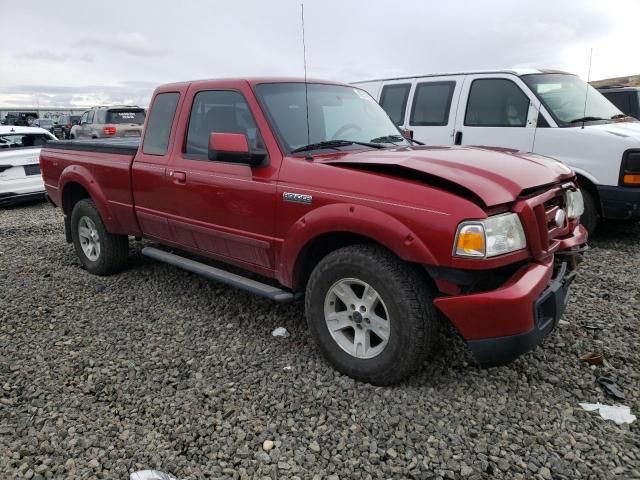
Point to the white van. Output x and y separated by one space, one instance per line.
547 112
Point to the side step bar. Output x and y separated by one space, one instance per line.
258 288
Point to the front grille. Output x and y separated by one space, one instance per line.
538 214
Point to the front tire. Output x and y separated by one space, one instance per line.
371 314
99 251
590 218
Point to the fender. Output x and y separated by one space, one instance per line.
82 176
343 217
587 175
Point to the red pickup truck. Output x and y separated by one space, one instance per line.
311 186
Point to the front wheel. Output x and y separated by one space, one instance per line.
371 314
590 217
99 251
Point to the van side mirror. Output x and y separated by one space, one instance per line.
234 148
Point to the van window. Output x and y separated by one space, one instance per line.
496 102
431 103
222 111
394 101
622 100
156 137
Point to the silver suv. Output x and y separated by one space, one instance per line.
108 122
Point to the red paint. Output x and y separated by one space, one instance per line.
229 142
236 213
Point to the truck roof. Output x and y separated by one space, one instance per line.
512 71
253 81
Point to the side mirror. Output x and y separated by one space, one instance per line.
234 148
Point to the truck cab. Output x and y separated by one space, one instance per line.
551 113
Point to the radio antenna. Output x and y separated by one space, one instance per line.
586 93
306 87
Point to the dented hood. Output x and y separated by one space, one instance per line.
496 176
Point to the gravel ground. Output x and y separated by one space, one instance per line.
157 368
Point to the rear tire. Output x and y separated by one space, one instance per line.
382 294
99 251
590 218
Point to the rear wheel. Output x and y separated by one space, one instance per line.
101 252
371 314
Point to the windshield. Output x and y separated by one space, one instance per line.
335 113
564 96
29 140
126 116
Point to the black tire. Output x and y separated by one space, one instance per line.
591 217
114 249
405 293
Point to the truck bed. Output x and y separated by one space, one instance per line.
122 146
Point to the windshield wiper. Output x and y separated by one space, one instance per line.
618 116
586 119
394 138
334 144
388 139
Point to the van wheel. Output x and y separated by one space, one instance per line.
371 314
101 252
590 217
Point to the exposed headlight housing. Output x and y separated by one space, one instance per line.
575 204
490 237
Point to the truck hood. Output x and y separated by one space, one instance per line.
628 130
496 176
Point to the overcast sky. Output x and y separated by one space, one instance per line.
87 53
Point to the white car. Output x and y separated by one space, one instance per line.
551 113
20 177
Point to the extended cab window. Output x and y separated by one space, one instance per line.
156 137
90 117
394 101
431 103
222 111
496 102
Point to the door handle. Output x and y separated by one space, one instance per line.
178 177
458 138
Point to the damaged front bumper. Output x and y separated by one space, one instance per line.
502 324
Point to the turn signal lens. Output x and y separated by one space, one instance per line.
471 242
631 179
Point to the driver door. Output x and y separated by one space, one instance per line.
223 209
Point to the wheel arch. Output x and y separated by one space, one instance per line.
335 226
77 183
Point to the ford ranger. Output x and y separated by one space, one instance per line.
309 186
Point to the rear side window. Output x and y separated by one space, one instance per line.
156 137
222 111
126 116
432 103
394 101
496 102
90 117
